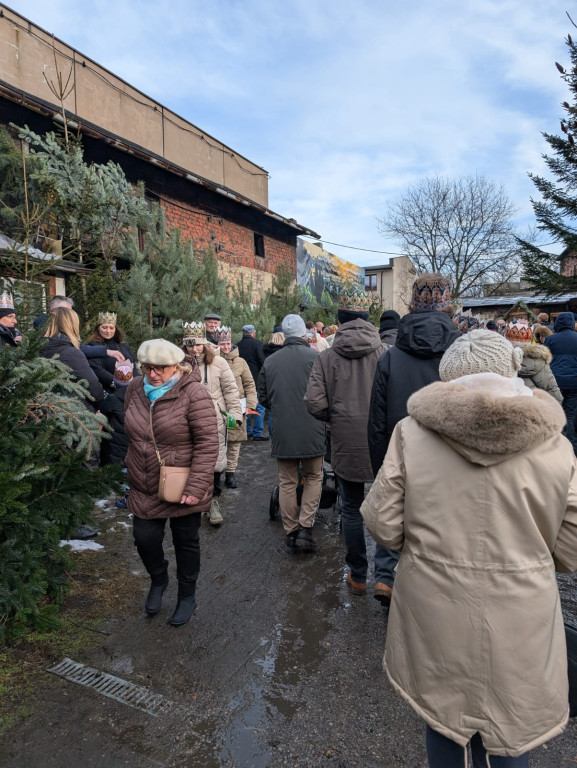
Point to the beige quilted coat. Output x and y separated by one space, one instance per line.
480 494
186 435
221 385
246 388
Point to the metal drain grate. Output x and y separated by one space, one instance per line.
113 687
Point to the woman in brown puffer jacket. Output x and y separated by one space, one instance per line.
168 411
248 399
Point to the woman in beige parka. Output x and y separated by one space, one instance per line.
217 377
475 639
248 398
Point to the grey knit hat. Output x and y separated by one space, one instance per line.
293 325
480 352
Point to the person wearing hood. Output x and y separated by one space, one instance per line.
248 400
563 346
535 368
475 638
338 393
389 327
413 362
298 440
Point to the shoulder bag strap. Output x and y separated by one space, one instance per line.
160 461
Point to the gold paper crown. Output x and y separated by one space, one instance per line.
354 301
224 333
107 317
519 332
6 301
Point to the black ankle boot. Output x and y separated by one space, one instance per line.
153 602
185 607
230 480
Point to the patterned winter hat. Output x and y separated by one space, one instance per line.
193 333
480 351
107 317
354 301
224 333
430 291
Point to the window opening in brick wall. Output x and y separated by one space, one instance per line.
370 282
258 245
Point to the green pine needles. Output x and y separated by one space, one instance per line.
47 488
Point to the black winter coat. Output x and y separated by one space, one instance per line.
269 349
7 336
251 350
563 346
103 366
113 450
61 347
411 364
281 387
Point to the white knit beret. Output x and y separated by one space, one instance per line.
159 352
480 352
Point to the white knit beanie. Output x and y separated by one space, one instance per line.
293 325
480 352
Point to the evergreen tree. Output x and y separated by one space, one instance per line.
556 212
46 486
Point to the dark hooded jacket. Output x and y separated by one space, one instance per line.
281 386
61 347
104 365
563 346
7 336
339 393
405 368
113 449
389 327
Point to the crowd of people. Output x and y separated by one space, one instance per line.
465 432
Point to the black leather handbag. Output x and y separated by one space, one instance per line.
571 638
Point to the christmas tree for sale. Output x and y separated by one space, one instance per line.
556 211
47 487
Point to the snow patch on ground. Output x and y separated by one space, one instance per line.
123 524
77 545
102 503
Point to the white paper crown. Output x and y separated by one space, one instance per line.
6 301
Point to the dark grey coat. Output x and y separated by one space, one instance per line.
339 392
281 387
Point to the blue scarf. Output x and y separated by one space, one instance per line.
153 393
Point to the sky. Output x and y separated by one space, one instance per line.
346 103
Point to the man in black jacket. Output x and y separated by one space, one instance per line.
251 349
298 438
412 363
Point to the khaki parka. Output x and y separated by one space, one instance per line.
480 494
246 388
219 380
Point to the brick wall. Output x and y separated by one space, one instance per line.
568 266
232 243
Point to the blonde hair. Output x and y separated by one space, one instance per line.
331 329
277 338
64 320
540 333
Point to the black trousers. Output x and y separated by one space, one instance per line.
148 538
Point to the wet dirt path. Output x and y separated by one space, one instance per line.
280 666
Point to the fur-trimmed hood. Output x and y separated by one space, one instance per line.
484 428
536 352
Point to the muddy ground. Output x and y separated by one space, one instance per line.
280 665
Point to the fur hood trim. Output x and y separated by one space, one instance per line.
484 428
536 352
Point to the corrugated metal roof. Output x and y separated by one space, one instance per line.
501 301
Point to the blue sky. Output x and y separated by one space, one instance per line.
345 103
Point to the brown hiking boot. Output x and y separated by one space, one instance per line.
383 593
356 587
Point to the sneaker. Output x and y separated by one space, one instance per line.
215 517
290 540
260 438
357 587
84 532
304 540
383 593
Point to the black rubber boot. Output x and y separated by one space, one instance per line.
153 602
230 480
304 540
185 607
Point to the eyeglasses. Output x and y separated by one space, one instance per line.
156 368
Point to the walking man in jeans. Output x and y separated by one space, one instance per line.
339 393
563 346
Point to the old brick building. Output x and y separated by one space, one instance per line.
218 198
